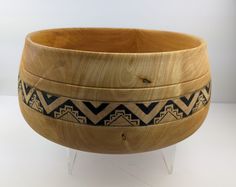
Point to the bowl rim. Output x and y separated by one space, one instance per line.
87 52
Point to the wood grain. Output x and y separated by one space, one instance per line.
110 140
116 70
85 88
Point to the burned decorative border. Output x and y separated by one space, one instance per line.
113 113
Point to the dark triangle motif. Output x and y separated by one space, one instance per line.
68 110
186 100
208 87
49 98
93 109
148 109
27 88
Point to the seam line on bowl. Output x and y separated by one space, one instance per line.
115 88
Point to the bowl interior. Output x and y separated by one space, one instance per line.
114 40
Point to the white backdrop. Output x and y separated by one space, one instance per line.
213 20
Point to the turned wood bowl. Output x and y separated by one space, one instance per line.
110 90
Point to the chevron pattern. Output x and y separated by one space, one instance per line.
113 113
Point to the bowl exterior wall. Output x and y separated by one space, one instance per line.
113 103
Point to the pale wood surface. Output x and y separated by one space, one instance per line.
116 70
25 156
117 94
114 66
114 140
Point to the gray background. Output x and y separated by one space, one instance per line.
213 20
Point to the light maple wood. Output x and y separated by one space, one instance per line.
115 66
113 140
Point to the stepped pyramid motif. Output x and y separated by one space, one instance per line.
113 113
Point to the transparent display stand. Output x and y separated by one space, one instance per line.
167 154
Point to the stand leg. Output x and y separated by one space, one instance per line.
168 156
72 154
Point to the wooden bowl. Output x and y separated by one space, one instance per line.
113 90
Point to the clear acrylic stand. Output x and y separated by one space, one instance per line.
72 154
168 156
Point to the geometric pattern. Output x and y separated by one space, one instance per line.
100 113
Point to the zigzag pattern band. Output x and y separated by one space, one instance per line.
113 113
